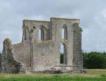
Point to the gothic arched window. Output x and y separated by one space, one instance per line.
41 34
64 32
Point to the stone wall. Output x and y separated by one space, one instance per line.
21 53
77 51
32 27
45 56
0 63
9 64
34 55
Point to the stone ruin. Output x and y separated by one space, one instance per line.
39 51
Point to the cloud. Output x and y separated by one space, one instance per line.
91 13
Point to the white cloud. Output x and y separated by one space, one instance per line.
91 12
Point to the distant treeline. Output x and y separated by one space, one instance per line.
96 60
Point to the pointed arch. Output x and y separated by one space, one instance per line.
40 34
64 32
63 54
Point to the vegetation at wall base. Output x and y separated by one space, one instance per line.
91 75
54 79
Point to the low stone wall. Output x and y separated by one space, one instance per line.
8 64
45 56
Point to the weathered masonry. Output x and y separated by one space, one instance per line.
41 46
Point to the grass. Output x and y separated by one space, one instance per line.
91 75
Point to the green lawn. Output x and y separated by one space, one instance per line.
91 75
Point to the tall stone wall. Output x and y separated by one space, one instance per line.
77 51
73 41
34 55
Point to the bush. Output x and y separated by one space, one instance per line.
103 75
94 60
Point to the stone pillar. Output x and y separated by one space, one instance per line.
77 49
0 62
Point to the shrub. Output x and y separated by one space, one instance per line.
103 75
94 60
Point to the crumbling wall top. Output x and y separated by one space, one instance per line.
35 21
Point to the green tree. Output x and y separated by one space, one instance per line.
0 54
94 60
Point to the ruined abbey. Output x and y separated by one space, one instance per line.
40 49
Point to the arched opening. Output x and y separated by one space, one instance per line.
41 34
63 54
64 32
25 33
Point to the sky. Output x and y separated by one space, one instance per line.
92 15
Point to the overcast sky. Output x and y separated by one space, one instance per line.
92 14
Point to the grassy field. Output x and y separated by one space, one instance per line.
91 75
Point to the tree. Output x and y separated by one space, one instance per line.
0 54
94 60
